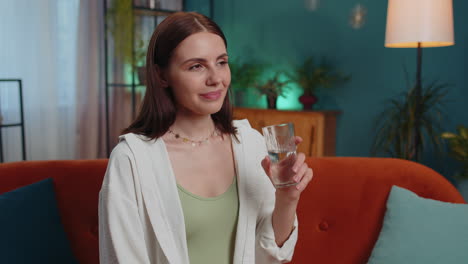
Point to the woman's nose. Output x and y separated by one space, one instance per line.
215 77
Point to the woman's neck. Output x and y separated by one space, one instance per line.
192 126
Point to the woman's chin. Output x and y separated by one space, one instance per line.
213 110
210 108
205 109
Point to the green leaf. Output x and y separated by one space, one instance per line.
311 76
448 135
396 124
458 145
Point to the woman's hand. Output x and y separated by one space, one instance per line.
287 198
303 175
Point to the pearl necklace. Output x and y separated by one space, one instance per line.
194 143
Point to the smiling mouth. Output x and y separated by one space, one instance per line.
212 95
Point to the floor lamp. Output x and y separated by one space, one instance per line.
419 24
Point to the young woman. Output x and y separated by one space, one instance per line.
186 183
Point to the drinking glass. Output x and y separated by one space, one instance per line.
281 148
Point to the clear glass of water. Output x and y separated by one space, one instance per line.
281 148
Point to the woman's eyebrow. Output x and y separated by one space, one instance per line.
204 60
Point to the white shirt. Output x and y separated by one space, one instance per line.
140 214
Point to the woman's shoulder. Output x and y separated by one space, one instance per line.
249 136
124 146
132 136
135 142
243 126
121 150
135 147
241 123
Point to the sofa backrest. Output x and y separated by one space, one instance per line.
77 184
340 213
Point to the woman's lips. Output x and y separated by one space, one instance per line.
212 95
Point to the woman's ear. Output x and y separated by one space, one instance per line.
162 76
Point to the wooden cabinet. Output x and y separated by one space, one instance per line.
317 128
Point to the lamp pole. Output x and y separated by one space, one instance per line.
412 24
417 110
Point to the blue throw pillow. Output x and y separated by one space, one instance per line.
418 230
30 227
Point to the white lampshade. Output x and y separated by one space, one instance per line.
411 21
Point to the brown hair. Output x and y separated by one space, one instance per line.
158 111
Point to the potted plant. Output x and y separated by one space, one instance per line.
458 145
243 76
121 25
396 124
273 88
311 76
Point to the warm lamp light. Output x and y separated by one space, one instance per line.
409 22
419 24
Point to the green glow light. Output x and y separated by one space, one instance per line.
289 102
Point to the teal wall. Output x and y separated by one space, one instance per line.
284 32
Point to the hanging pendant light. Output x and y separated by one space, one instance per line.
312 5
358 16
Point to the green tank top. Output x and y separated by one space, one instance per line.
210 225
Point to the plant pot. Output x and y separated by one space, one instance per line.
271 101
308 101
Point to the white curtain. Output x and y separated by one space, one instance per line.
90 138
38 41
56 48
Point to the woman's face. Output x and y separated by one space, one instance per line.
199 74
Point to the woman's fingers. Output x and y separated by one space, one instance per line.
266 165
297 140
305 180
299 161
301 172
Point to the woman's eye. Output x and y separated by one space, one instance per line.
195 67
223 62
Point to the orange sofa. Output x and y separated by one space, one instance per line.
340 213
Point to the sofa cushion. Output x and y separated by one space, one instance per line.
30 226
420 230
